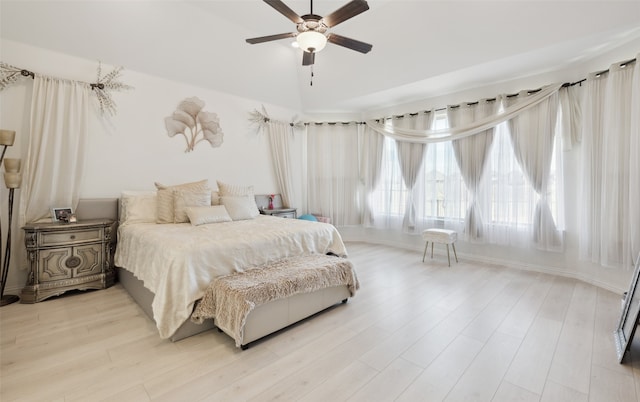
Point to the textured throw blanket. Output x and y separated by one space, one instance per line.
230 299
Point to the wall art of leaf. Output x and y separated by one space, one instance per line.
194 124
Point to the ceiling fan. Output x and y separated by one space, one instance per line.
312 30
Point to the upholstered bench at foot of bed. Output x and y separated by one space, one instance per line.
252 304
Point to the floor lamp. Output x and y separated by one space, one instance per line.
12 180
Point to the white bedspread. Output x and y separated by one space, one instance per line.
177 262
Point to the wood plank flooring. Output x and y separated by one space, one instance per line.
415 332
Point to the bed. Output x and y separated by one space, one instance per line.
167 268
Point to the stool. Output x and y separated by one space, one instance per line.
442 236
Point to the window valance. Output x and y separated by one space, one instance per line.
525 101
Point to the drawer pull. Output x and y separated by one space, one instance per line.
72 237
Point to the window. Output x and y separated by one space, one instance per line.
506 199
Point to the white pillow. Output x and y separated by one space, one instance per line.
166 200
188 198
210 214
240 208
195 185
215 198
138 207
234 190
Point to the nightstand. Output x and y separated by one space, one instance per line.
262 202
281 212
68 256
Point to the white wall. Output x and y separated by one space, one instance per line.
132 150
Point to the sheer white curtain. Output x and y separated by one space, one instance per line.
440 191
56 153
533 137
615 246
634 164
333 172
590 205
515 107
372 145
471 155
410 157
610 193
279 134
388 200
570 101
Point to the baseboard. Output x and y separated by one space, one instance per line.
496 261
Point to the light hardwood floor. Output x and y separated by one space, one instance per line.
415 332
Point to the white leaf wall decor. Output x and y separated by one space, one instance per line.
194 124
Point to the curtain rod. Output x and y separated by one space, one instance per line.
9 75
27 73
598 74
566 84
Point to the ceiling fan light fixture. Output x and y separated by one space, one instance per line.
311 40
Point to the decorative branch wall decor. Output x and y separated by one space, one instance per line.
260 119
200 124
10 74
103 87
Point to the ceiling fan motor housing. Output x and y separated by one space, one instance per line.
312 22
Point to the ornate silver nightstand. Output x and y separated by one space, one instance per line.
68 256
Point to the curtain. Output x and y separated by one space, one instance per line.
333 172
471 155
425 136
370 166
610 185
570 102
56 151
616 157
410 157
590 207
279 135
634 164
389 197
532 135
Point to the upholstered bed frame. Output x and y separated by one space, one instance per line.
96 208
262 321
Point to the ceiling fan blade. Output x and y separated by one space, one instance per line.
308 58
269 38
285 10
349 43
345 12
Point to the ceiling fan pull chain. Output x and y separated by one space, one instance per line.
311 82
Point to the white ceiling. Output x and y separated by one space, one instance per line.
421 49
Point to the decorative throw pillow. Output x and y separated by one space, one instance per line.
165 211
194 185
138 207
240 208
215 198
211 214
234 190
188 198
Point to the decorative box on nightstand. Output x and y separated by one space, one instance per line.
68 256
